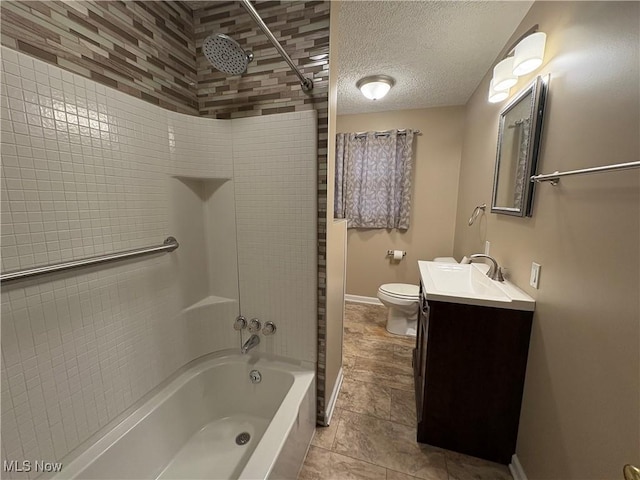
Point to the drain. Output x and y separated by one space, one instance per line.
243 438
255 376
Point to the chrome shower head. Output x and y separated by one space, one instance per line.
226 54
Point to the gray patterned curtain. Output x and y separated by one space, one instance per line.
373 179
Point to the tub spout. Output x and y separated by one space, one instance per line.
253 341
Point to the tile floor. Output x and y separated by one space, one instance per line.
373 430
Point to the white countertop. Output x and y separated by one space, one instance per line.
468 284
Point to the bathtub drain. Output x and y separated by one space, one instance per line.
243 438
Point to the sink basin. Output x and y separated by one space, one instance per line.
469 284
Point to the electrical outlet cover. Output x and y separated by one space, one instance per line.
534 279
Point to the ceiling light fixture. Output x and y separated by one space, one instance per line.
522 58
376 86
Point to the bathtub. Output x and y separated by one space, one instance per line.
188 427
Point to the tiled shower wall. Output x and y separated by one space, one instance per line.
87 170
145 49
149 50
274 174
269 86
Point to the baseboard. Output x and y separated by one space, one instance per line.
334 397
360 299
517 472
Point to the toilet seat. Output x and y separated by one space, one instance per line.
401 291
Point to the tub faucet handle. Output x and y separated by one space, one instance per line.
240 323
254 325
269 328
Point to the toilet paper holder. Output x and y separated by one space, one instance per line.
390 253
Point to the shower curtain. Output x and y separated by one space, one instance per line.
373 179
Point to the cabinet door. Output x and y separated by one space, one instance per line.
423 329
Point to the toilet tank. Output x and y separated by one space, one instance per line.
445 260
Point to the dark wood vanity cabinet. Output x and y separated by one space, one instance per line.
469 368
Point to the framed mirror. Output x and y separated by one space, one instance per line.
517 154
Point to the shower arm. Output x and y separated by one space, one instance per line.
307 83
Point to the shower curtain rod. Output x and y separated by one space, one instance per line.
386 133
307 83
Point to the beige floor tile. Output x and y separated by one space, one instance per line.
369 321
348 362
362 313
465 467
383 373
366 347
388 444
322 464
353 329
403 353
325 436
366 398
393 475
403 407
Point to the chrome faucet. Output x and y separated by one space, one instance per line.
253 341
495 272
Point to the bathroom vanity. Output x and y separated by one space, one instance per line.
470 360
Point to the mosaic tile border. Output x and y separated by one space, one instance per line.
145 49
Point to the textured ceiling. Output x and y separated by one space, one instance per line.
437 51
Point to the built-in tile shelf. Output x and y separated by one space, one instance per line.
208 302
200 178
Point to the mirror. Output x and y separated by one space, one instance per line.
518 144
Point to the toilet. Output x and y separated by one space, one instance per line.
403 300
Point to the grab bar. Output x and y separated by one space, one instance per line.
169 245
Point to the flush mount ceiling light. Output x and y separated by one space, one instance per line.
522 58
375 86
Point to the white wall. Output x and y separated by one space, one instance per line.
89 170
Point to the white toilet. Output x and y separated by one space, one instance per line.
403 301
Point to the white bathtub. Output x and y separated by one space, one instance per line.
187 430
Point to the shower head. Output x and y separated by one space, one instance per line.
226 54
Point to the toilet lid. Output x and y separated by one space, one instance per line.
400 290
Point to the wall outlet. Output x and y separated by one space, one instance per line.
487 247
534 279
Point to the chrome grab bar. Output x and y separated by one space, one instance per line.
169 245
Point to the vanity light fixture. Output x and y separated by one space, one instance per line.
522 58
529 53
503 77
495 96
376 86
